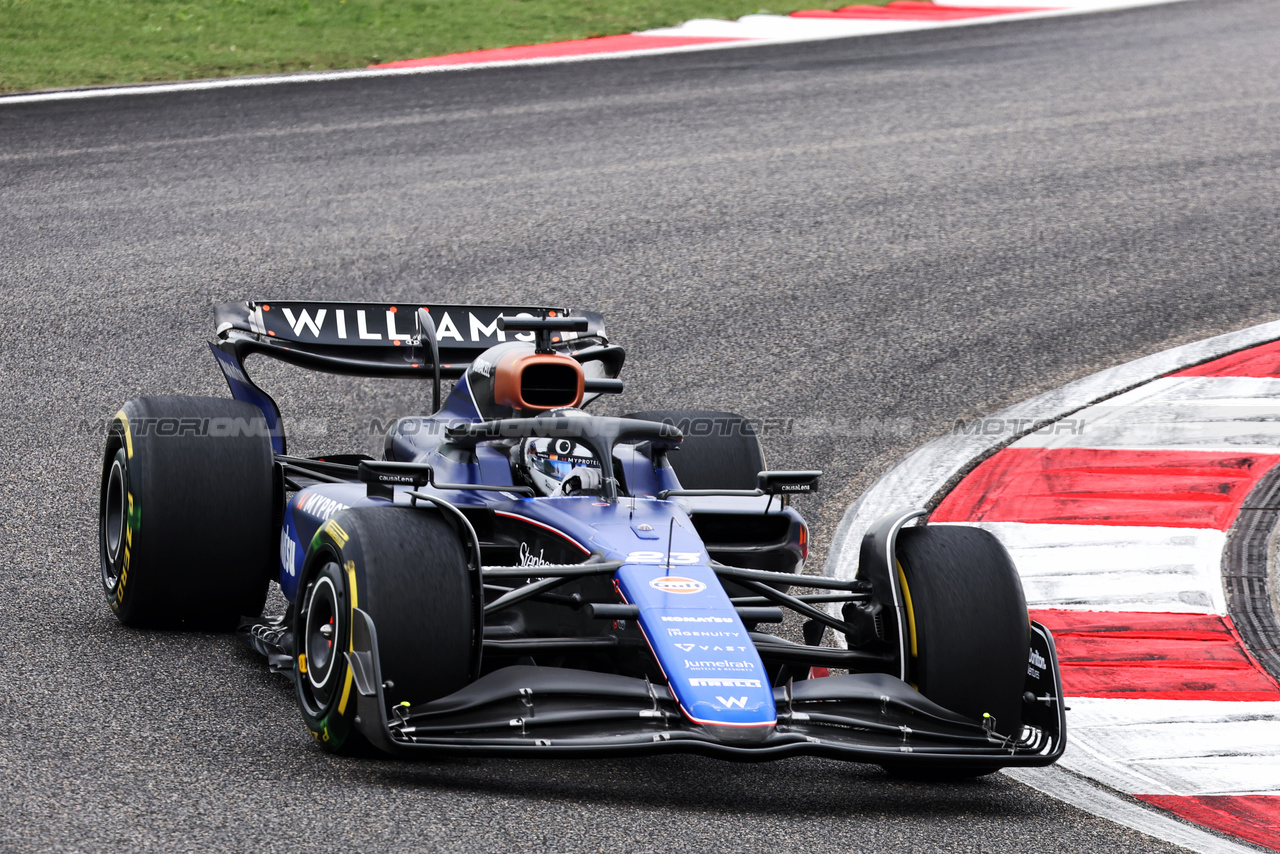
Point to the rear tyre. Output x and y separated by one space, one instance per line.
185 524
720 450
968 630
407 569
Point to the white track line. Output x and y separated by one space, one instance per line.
329 76
750 30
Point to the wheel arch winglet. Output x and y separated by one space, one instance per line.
878 563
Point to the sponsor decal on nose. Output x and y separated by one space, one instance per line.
677 584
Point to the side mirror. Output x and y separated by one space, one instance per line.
788 482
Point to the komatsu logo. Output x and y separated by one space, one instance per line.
724 683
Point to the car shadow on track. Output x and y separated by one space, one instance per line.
698 784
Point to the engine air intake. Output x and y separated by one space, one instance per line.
538 382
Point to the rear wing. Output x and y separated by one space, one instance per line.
376 339
367 340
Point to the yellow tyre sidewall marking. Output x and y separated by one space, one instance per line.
911 613
128 434
128 533
351 588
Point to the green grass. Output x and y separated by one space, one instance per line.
52 43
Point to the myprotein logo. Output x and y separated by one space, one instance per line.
320 506
677 584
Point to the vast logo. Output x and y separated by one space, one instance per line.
677 584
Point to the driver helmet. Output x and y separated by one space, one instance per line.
560 466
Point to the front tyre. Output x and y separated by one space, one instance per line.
407 569
185 525
967 628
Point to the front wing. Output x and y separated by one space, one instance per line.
866 717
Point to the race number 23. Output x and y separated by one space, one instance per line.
677 558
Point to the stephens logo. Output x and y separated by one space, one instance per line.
677 584
528 558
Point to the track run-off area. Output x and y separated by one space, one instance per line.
858 242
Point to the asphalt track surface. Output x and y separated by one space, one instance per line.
870 237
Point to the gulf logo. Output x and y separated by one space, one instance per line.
677 584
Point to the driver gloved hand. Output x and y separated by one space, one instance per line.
581 479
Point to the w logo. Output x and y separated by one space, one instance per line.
733 702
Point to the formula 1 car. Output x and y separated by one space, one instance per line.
515 576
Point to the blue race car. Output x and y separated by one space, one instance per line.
516 576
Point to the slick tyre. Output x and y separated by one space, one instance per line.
407 569
186 530
720 450
967 629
